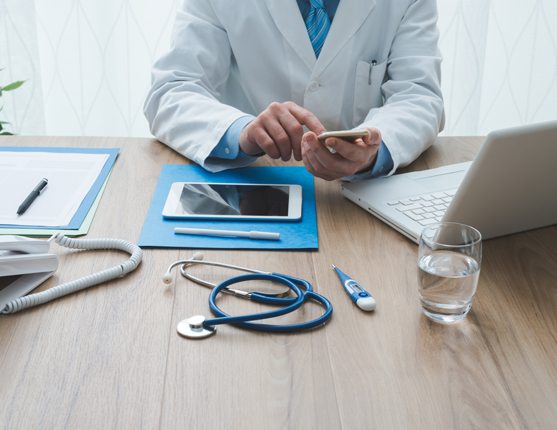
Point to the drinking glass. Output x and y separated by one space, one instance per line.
449 261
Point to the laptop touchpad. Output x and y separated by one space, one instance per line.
442 181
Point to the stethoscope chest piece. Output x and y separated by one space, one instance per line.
192 328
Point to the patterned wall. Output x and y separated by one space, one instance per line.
88 62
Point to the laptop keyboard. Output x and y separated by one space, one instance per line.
425 209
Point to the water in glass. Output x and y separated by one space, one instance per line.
448 283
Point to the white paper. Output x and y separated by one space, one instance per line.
70 177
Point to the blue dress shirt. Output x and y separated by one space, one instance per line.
229 145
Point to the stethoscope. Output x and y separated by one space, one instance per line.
199 327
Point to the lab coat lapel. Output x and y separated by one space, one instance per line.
290 23
348 18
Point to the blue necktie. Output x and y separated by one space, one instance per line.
318 25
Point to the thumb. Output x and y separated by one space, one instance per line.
373 138
310 136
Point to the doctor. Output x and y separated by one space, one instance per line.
242 77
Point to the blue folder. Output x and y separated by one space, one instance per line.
158 232
83 209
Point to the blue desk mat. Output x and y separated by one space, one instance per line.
158 232
87 202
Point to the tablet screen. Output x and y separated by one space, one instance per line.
236 200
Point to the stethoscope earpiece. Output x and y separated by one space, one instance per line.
198 256
167 278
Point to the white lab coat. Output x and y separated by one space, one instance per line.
230 58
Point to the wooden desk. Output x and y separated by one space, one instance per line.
110 357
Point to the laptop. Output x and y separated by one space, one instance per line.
511 186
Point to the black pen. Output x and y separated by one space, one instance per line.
31 197
373 63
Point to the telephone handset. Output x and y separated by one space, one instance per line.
24 264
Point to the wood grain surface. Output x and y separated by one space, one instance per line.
110 357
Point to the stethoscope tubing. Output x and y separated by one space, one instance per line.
289 304
292 305
228 319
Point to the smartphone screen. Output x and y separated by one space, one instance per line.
244 201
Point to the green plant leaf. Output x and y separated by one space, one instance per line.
13 86
5 122
6 133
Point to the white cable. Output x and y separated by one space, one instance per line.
88 281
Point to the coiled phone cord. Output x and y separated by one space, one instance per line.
88 281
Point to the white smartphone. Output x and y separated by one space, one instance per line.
256 202
348 135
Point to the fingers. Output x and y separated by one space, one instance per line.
337 162
285 130
280 139
305 117
295 132
349 151
278 131
265 134
292 117
254 138
374 137
312 164
348 159
319 161
362 151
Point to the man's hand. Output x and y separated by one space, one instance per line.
348 158
278 131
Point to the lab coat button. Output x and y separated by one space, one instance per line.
314 85
227 150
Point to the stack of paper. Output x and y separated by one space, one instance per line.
76 179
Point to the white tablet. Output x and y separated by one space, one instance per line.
256 202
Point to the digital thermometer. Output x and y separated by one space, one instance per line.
361 297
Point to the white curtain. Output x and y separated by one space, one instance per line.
500 63
19 57
87 63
